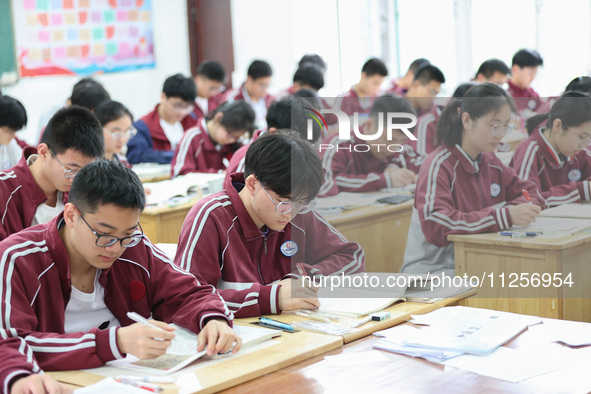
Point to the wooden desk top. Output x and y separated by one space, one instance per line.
496 239
400 313
414 375
159 210
236 369
369 212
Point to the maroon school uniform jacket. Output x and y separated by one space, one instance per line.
425 131
212 103
396 90
457 195
525 99
198 153
237 160
221 245
350 103
20 195
35 287
561 180
240 94
358 171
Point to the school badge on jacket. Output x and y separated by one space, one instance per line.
289 248
574 175
495 189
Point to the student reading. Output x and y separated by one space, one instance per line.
247 239
349 167
463 188
32 192
117 122
67 285
556 158
13 117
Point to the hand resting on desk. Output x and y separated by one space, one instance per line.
293 296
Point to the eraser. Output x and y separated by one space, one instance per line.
380 316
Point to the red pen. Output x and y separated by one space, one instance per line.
526 195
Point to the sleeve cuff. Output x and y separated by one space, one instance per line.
107 347
503 218
269 299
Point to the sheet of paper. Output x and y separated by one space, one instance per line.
505 364
353 359
109 386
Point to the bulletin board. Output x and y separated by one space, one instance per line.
82 37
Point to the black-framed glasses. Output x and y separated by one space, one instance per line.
104 241
285 207
68 173
584 141
498 128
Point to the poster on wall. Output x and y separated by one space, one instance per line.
83 37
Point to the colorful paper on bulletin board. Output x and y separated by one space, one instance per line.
83 37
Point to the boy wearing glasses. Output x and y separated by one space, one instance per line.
68 285
160 131
361 166
247 239
32 192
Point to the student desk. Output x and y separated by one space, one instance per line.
381 232
414 375
483 255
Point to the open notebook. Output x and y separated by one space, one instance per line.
183 350
575 211
351 302
182 186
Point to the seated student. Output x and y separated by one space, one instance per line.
360 97
400 86
463 188
117 122
160 131
350 169
87 93
493 71
279 116
425 88
209 146
555 158
247 238
254 91
13 117
524 67
32 192
312 58
427 140
308 76
71 282
209 80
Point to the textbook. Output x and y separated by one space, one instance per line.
183 350
196 184
575 211
352 302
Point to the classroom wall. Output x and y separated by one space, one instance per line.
138 90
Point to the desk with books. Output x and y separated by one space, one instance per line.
510 263
399 373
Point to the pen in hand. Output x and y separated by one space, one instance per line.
527 197
140 319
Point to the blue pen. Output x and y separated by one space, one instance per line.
527 234
275 324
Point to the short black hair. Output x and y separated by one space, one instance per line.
238 115
88 93
418 64
74 128
390 103
311 75
12 113
491 66
288 113
429 73
375 66
178 85
259 69
212 70
462 89
312 58
527 58
285 163
304 101
579 84
106 182
110 110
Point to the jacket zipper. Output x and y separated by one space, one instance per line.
259 260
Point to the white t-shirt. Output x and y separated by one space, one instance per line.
10 154
174 132
44 212
203 103
260 110
87 311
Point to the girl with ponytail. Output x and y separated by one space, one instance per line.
556 158
463 188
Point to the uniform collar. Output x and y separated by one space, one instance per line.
469 165
552 156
